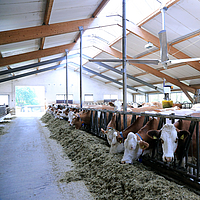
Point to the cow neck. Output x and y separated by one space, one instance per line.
134 127
85 117
151 125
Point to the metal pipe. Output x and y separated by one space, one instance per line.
124 62
163 17
66 51
81 34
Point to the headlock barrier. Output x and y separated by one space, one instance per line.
186 170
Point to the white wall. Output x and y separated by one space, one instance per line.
55 83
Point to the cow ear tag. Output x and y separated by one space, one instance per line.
154 137
142 147
182 137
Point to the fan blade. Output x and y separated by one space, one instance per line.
143 61
163 45
105 60
183 60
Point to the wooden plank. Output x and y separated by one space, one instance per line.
49 5
35 54
100 7
53 29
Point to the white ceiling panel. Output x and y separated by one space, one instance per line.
16 14
58 40
181 72
72 10
19 47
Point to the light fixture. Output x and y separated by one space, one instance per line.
148 45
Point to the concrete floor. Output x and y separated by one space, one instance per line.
31 164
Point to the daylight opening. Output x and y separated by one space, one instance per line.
29 99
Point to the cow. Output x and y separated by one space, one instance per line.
136 143
170 138
185 125
84 116
81 118
116 138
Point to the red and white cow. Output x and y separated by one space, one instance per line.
170 138
116 138
135 144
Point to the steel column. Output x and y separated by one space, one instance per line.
163 17
66 51
81 34
124 62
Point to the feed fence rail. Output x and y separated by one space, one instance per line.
186 170
2 110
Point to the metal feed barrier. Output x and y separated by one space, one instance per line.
187 173
2 111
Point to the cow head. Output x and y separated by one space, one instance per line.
71 116
170 138
115 146
133 148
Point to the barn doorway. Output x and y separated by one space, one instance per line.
29 99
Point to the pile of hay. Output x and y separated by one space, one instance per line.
102 172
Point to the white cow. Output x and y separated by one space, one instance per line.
71 116
133 148
115 146
170 137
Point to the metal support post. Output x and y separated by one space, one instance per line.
146 98
66 100
124 63
81 33
163 17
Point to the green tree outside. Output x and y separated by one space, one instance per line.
25 96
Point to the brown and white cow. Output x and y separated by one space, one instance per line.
171 138
116 138
185 125
135 144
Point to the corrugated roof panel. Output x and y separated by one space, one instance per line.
19 47
29 62
181 72
190 47
72 10
58 40
176 24
52 57
16 14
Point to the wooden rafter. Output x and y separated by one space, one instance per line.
35 54
100 7
36 32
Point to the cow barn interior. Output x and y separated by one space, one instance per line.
113 62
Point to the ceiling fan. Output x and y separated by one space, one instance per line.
164 60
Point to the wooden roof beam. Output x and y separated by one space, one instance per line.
35 54
100 8
36 32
